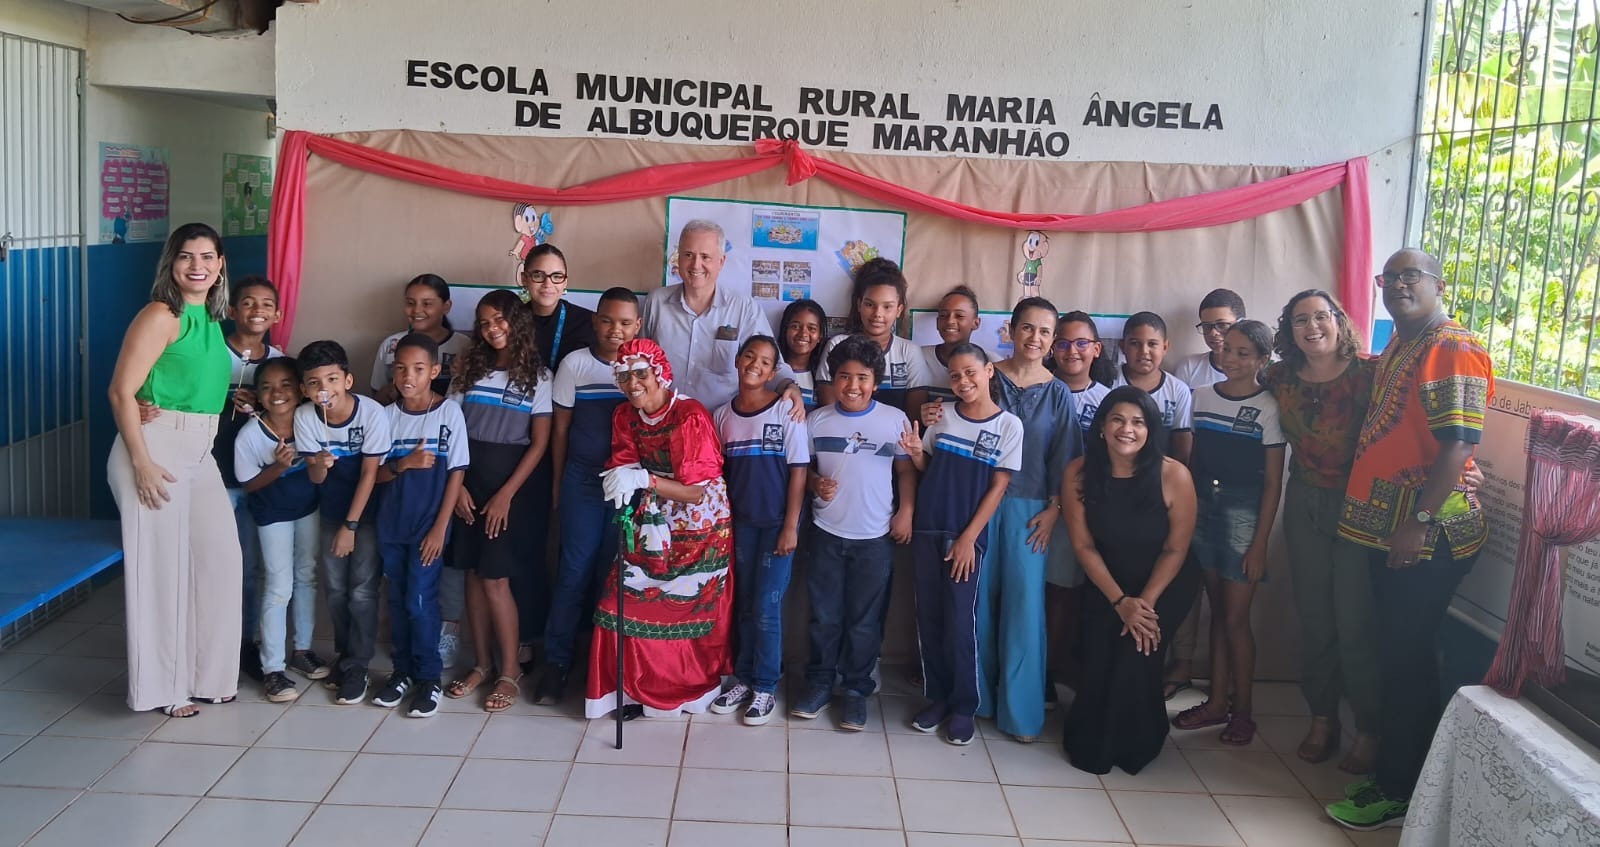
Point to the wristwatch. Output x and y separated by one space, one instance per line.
1424 517
353 526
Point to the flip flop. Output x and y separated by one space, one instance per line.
214 701
1240 732
171 711
1194 718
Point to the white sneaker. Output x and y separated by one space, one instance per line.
449 646
729 701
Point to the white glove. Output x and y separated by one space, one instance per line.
619 484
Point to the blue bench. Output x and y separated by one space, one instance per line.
47 564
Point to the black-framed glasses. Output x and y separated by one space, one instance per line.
1062 345
1403 279
556 277
1204 327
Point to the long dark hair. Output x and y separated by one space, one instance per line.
872 273
441 289
1097 456
1349 343
523 370
1102 368
814 358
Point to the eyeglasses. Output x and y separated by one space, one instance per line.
1064 344
557 277
1405 278
1303 321
1214 326
633 375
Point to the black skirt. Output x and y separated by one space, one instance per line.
514 549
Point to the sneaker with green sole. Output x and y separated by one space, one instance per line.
1377 812
1356 790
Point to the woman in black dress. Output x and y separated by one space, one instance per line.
1130 513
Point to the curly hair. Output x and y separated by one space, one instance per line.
524 367
1349 341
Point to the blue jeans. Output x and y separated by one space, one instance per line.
250 547
352 583
760 579
413 610
848 580
588 543
289 562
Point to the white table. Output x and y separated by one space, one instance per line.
1502 773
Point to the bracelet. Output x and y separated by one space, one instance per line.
1119 600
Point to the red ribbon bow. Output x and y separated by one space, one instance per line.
800 164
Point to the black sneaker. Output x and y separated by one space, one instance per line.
278 687
393 691
308 665
334 677
425 703
855 712
552 685
352 686
250 660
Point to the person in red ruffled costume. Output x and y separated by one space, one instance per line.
679 600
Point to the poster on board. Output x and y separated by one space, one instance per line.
134 182
246 193
779 253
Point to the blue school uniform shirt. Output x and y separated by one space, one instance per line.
291 496
242 373
1051 437
758 449
1231 437
498 412
904 368
588 387
963 455
858 450
409 504
364 434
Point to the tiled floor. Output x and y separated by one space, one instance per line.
76 767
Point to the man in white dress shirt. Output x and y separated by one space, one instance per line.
699 324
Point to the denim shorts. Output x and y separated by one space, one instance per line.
1225 524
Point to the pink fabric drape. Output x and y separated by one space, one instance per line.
286 227
1561 507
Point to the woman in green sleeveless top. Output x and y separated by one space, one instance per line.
181 563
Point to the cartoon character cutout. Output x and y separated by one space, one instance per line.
532 229
1034 248
853 254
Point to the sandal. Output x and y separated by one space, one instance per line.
172 711
465 685
1321 741
1194 717
500 700
214 701
1171 687
1241 731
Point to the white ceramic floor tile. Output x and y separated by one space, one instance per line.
1046 842
701 833
1210 738
820 836
335 826
73 675
954 807
27 712
644 742
104 642
1324 781
931 757
843 801
107 716
12 663
1282 733
506 785
376 779
1278 698
126 820
236 724
56 762
577 831
622 790
945 839
1378 838
9 743
239 823
737 747
732 796
1269 821
267 773
1169 772
898 712
839 753
24 811
156 768
459 827
1239 772
1186 819
1076 813
527 737
53 637
324 729
440 735
1036 764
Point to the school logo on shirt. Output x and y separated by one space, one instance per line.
899 374
987 446
1169 413
512 398
772 438
444 438
1246 419
356 436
